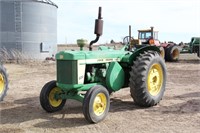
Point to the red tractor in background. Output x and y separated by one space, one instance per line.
169 51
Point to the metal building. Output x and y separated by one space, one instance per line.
30 26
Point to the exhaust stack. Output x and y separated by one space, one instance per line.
98 29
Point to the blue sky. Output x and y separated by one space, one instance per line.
176 20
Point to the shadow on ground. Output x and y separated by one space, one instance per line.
191 61
118 105
29 109
191 105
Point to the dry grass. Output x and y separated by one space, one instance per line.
62 47
15 56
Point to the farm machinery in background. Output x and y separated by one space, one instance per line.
90 76
192 47
169 51
3 82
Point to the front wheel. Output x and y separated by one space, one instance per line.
148 79
48 99
96 104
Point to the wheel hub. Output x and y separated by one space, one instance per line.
162 54
2 83
155 79
53 101
175 54
99 104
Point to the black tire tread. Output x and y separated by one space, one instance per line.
44 98
87 105
168 53
138 76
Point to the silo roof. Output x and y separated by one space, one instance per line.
47 2
42 1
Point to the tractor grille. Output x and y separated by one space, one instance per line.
67 72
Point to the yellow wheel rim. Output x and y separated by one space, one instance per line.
99 105
2 83
155 79
175 54
54 102
162 53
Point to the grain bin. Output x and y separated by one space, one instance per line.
29 26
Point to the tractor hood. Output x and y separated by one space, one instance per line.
70 55
106 55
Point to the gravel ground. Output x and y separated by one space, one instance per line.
179 110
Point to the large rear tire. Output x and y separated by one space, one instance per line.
96 104
148 79
172 53
47 97
3 82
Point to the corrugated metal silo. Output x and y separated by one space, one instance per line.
29 26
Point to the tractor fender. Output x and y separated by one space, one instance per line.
141 50
167 45
114 77
131 56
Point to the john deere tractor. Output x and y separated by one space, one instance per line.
192 47
91 76
169 51
3 82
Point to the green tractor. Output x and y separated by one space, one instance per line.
91 76
3 82
192 47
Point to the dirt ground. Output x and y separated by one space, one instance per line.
179 110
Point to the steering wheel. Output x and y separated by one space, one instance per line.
127 40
